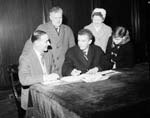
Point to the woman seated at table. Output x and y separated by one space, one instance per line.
84 57
120 49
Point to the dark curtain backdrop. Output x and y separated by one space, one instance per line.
18 19
140 28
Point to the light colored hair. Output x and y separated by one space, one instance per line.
56 9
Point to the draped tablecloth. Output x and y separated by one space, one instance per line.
87 100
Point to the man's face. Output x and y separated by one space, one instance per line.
84 42
43 43
56 18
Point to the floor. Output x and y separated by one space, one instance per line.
7 105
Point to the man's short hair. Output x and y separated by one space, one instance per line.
37 35
86 32
56 9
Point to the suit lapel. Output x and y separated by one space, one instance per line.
48 60
35 62
61 35
81 57
55 38
61 31
90 55
53 34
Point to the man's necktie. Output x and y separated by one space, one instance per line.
85 55
57 30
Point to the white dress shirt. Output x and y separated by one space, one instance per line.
43 65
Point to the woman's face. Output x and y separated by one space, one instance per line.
97 20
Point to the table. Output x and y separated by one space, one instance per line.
87 100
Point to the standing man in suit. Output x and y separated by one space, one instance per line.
36 66
61 37
84 57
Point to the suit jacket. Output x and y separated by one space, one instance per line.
60 43
30 72
74 58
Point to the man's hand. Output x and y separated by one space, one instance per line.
93 70
75 72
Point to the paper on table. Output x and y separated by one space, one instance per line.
94 77
52 82
72 79
109 72
99 76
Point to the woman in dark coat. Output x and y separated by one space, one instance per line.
120 49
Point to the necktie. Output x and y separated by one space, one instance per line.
57 30
85 55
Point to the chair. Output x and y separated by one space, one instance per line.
16 87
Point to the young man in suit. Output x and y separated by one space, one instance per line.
36 66
84 57
61 37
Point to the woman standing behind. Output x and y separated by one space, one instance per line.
101 31
120 49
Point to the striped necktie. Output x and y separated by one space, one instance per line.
85 55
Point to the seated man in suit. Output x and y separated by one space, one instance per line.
36 66
84 57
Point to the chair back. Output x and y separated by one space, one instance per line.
16 87
14 80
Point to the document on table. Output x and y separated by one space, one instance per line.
99 76
52 82
72 79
